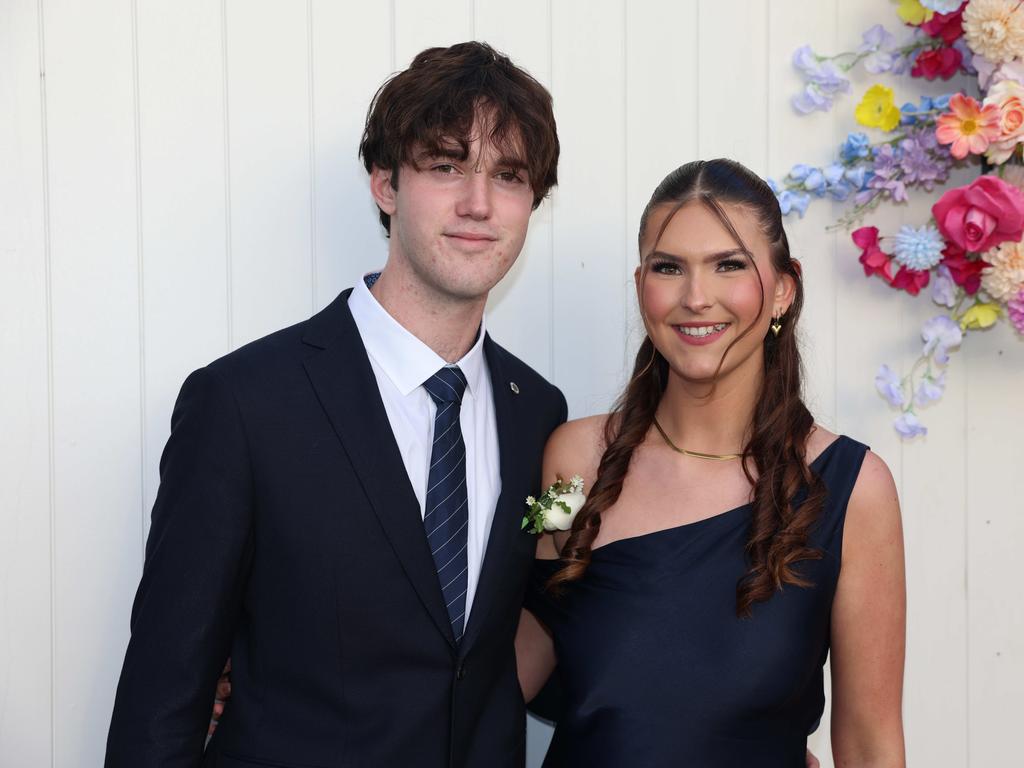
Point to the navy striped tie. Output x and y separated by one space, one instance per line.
446 513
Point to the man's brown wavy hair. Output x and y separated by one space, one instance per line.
787 496
435 104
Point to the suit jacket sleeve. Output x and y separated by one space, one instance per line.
187 603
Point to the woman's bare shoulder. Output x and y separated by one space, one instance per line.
575 448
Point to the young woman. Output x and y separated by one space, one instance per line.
728 543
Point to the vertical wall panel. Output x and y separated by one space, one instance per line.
96 361
995 532
733 92
520 307
794 138
791 138
661 133
184 216
269 158
351 58
25 584
420 25
589 290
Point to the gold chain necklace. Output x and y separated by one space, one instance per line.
695 454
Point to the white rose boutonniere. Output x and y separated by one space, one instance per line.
556 508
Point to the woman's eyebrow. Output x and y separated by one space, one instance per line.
710 257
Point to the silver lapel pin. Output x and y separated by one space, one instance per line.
514 387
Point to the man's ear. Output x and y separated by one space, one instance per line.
381 189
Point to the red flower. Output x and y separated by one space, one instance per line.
948 26
965 272
910 280
940 62
874 260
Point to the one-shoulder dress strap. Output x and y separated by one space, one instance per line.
838 466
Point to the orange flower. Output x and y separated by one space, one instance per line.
968 126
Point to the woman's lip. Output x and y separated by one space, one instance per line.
698 341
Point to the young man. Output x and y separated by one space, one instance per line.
340 502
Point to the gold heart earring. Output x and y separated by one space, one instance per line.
776 325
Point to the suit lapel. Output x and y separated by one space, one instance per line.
508 511
347 389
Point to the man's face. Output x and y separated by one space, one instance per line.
457 225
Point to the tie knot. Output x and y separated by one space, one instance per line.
447 385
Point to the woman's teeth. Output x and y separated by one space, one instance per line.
701 330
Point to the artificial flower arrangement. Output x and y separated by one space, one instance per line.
557 506
970 253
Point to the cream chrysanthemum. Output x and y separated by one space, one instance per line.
1004 279
995 28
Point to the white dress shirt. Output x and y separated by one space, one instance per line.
401 363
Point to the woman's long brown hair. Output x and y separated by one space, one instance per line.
787 496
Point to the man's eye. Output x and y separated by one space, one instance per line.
446 168
511 176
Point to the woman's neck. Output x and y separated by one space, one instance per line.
711 418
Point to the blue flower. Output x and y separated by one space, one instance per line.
918 249
793 201
858 177
800 171
942 6
855 147
941 102
908 426
815 183
889 386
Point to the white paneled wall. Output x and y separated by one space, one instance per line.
178 179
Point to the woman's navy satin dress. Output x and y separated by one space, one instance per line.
657 670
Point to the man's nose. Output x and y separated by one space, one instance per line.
475 200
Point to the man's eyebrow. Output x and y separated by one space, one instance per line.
511 161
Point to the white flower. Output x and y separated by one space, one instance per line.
995 29
557 518
1005 277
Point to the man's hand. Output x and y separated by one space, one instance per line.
224 693
812 761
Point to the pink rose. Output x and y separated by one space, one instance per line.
982 215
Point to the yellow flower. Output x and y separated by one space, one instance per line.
912 12
878 109
979 316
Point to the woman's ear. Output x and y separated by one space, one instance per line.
785 291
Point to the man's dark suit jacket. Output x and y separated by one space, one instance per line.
287 536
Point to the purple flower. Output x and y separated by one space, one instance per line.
908 426
940 334
824 81
889 386
967 60
944 287
930 389
881 48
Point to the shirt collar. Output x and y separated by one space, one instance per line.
406 360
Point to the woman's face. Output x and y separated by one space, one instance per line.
701 291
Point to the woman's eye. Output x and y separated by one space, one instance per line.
731 265
665 268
